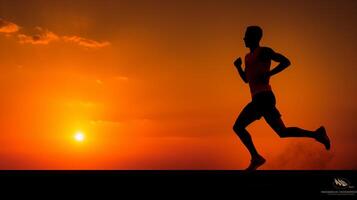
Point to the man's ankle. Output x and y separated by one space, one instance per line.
256 156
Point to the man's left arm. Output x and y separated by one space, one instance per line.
277 57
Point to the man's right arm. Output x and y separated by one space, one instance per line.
238 64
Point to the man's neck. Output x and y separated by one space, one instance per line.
253 48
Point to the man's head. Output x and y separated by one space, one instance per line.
252 36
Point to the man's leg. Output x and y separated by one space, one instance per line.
246 117
279 127
277 124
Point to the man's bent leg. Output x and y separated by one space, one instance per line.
246 117
278 126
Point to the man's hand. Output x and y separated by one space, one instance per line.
238 62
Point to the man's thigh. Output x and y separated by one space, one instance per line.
248 115
273 118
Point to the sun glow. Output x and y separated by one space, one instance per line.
79 136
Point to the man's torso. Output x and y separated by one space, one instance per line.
255 68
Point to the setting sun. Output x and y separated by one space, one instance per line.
79 136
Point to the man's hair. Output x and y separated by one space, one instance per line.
255 31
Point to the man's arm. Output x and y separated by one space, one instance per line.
282 60
238 64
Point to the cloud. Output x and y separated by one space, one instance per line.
106 123
82 104
122 78
99 82
88 43
42 36
8 27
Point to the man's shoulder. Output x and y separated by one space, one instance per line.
266 53
266 49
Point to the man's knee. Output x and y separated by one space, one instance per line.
238 127
282 132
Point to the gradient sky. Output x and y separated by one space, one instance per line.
151 83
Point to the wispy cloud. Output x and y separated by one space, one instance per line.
42 36
106 123
122 78
99 82
8 27
88 43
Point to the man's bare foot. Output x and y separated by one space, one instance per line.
255 163
322 137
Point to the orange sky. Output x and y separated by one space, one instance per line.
152 86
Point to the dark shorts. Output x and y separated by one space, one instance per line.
262 105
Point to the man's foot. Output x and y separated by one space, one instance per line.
322 137
255 163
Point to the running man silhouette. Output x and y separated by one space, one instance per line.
257 74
